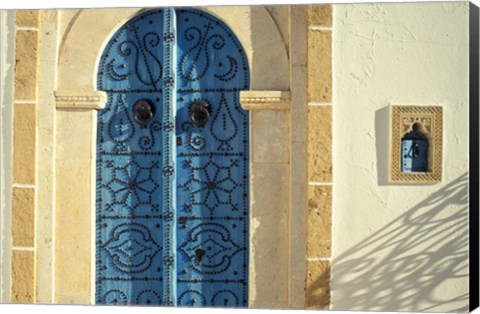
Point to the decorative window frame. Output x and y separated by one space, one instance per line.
402 118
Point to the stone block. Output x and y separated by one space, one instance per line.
320 143
319 15
26 63
319 66
24 124
319 221
318 285
27 18
23 216
23 280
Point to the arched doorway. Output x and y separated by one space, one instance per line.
172 163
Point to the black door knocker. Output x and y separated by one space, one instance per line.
199 112
143 112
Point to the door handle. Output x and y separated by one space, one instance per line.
199 112
143 112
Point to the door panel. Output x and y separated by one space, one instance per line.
128 203
212 198
178 238
129 186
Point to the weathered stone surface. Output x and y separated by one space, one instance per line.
297 225
27 18
319 221
269 236
318 285
23 280
23 217
74 192
45 183
298 110
298 33
26 65
24 122
319 66
269 139
320 143
280 14
319 15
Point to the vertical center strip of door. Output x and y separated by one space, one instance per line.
169 153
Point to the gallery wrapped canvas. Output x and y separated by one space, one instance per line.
316 156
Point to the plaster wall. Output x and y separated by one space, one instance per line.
399 247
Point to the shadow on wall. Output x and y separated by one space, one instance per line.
414 263
382 126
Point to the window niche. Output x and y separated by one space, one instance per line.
416 144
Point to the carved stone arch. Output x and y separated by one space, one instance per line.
88 31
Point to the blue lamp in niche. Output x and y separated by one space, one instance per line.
415 150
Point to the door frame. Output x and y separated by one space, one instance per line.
77 100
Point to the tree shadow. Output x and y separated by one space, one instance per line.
418 262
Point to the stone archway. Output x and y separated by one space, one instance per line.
77 100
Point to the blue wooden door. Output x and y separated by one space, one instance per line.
172 164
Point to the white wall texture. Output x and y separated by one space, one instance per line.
399 247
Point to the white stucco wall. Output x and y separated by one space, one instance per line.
399 247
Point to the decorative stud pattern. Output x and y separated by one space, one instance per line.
131 185
169 154
131 248
133 56
212 185
212 166
213 59
210 248
129 167
160 241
